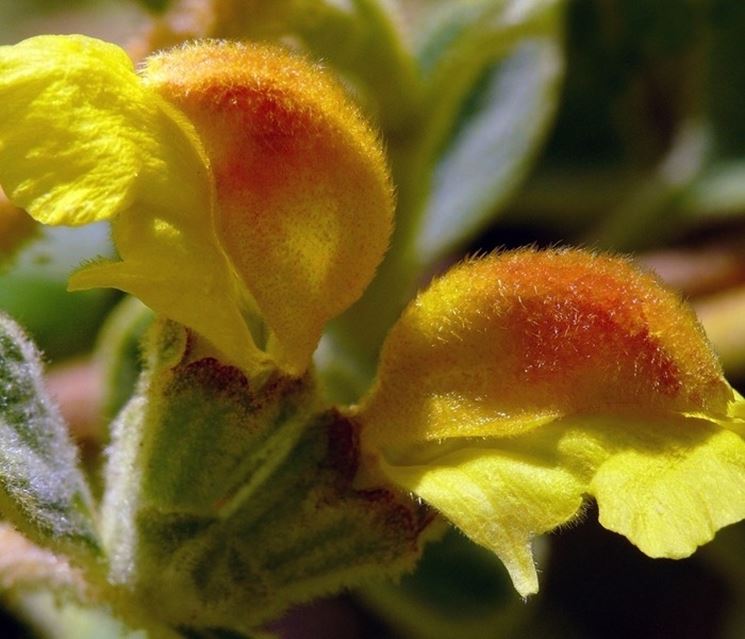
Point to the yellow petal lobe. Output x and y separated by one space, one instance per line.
519 384
73 128
668 487
304 202
501 500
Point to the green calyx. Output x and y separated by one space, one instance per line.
229 499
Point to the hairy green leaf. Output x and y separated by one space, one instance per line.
42 491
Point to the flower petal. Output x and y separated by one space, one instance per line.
114 148
507 343
171 258
74 132
668 487
500 498
173 295
304 202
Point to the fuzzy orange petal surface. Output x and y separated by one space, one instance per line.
304 202
504 343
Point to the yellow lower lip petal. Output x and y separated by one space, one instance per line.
666 486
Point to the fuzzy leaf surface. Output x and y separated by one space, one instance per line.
42 490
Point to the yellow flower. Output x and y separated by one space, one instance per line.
250 202
239 179
519 384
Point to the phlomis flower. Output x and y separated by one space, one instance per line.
251 203
519 384
240 181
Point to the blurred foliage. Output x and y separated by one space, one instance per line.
35 292
647 145
156 6
459 589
